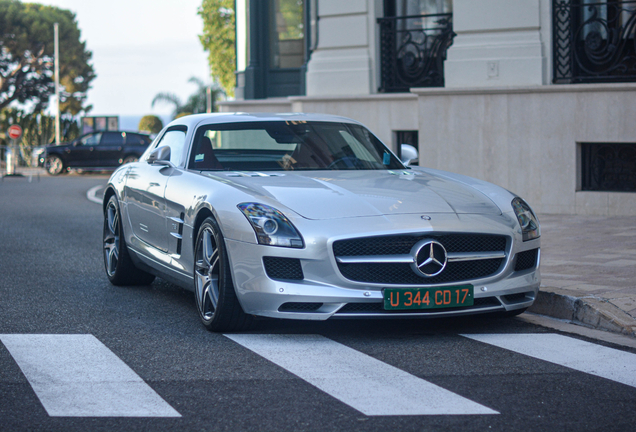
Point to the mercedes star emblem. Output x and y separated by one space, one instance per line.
429 258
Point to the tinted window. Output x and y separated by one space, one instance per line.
91 139
293 145
136 139
175 139
113 138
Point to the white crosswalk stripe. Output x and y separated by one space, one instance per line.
360 381
573 353
78 376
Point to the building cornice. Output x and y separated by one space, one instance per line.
554 88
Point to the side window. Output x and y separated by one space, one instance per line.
136 139
112 138
92 139
175 139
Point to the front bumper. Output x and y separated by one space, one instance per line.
324 292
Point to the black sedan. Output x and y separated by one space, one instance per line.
96 151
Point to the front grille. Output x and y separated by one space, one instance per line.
526 260
403 274
367 308
283 268
299 307
402 244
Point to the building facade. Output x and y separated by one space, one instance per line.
538 96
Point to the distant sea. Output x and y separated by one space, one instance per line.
131 123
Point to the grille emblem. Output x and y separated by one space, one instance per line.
429 258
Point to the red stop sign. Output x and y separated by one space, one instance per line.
15 131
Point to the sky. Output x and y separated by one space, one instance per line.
140 48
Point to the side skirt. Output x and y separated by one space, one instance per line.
161 270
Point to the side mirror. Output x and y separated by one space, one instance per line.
160 156
76 143
409 154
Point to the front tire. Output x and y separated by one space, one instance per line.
216 300
119 267
54 165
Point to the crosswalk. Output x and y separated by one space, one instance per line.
78 376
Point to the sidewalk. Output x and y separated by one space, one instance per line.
588 268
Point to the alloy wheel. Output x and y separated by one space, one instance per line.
54 165
207 270
111 239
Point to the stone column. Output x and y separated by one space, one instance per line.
498 44
342 62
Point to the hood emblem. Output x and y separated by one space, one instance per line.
426 217
429 258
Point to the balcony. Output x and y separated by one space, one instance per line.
594 41
413 50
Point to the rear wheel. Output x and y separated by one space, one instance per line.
54 165
119 267
216 300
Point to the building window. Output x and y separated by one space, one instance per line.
414 38
608 167
287 38
594 41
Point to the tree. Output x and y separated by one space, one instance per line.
151 124
27 57
196 103
218 37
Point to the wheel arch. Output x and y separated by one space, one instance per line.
202 215
109 192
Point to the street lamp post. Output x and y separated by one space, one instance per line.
57 81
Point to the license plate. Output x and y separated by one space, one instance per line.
428 298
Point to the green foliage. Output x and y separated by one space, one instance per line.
151 124
196 103
218 37
27 57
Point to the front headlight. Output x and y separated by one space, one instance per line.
271 226
527 219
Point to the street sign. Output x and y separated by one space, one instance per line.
15 132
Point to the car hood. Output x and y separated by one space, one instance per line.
344 194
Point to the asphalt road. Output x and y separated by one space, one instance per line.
345 375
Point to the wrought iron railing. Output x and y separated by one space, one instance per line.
413 50
594 41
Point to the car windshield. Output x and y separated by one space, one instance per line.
289 145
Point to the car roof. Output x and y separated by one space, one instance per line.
240 117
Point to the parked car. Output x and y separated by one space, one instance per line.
95 151
311 217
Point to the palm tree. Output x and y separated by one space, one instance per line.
197 101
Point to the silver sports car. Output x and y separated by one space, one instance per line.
311 217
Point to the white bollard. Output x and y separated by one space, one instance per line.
10 160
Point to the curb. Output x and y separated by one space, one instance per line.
589 311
